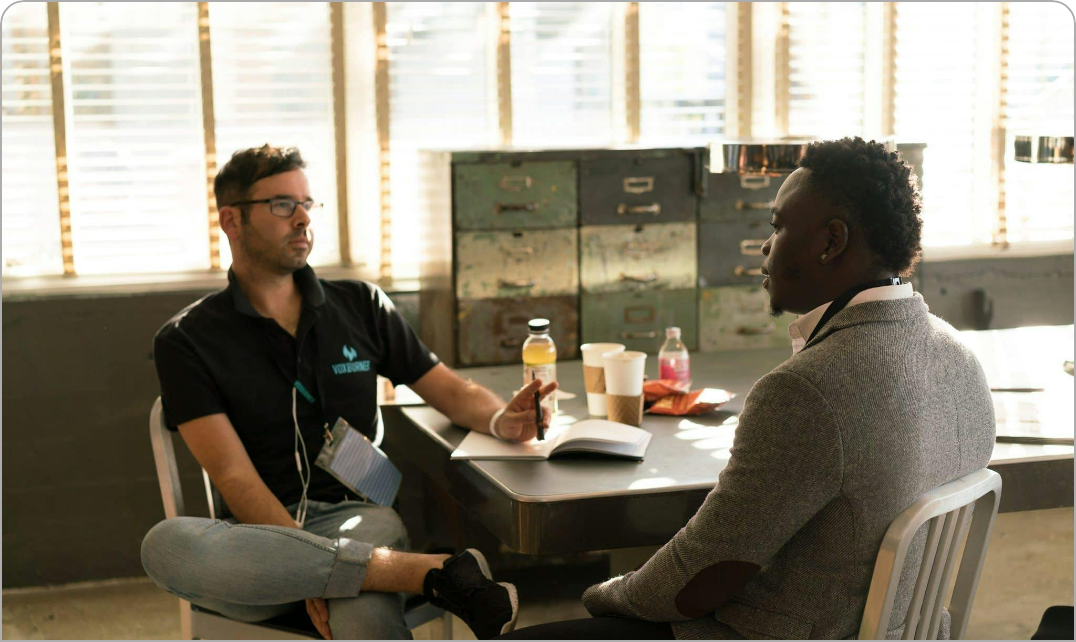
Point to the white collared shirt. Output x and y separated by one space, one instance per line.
804 325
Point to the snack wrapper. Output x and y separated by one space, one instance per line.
654 390
696 402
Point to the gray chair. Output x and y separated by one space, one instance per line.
199 624
947 508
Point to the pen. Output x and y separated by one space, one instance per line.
538 415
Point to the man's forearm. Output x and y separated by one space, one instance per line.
477 406
251 502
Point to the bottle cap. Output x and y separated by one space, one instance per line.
538 325
673 332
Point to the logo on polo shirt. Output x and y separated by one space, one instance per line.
351 365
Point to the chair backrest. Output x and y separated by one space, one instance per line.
164 456
947 508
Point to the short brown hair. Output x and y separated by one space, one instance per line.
248 166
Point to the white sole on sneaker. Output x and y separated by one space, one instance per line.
483 565
513 597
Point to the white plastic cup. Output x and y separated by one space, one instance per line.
624 373
592 357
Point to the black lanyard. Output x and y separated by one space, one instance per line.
842 301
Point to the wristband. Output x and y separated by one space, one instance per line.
493 424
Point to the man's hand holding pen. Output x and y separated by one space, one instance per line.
523 415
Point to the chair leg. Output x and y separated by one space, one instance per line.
446 626
185 620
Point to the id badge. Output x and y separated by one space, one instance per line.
359 465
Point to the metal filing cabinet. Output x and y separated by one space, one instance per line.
734 222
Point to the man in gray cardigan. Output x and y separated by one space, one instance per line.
878 405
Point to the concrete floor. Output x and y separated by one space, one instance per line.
1029 567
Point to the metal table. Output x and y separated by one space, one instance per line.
581 504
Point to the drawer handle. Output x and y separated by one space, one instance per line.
742 271
517 284
752 247
754 182
512 343
518 252
641 314
652 334
750 330
754 205
623 209
639 184
639 249
643 278
515 183
515 207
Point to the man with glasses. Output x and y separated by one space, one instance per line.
254 378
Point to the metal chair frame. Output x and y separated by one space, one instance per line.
947 508
196 623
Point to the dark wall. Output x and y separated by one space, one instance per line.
79 485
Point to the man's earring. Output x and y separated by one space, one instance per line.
823 258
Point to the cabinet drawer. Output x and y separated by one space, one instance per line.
515 195
512 264
733 318
637 187
627 258
492 331
730 252
638 319
732 197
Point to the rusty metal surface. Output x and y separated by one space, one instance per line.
637 187
512 264
515 195
638 319
730 252
737 317
629 258
492 331
732 196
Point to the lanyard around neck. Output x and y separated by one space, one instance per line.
844 299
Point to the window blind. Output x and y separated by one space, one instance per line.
826 57
438 76
936 86
31 224
134 137
561 56
1039 101
682 72
272 83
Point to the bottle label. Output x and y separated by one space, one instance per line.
546 372
676 369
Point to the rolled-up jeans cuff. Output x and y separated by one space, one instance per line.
349 569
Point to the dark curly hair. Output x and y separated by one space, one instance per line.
248 166
879 191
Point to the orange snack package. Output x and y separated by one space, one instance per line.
654 390
696 402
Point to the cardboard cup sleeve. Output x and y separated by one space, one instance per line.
626 410
594 379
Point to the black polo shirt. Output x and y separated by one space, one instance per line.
220 356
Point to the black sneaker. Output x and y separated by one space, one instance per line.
464 587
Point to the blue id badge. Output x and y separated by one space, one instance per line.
358 464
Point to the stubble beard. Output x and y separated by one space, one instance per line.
261 254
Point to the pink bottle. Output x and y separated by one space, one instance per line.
673 359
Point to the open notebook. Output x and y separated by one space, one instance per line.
588 436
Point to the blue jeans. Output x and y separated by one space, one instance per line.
253 572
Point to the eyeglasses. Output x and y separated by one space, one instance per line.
283 207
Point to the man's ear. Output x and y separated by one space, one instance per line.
229 220
836 239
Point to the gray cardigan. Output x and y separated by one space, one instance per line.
881 406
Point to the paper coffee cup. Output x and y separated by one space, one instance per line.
594 374
624 386
624 373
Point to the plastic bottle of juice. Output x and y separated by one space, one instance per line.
673 359
540 356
